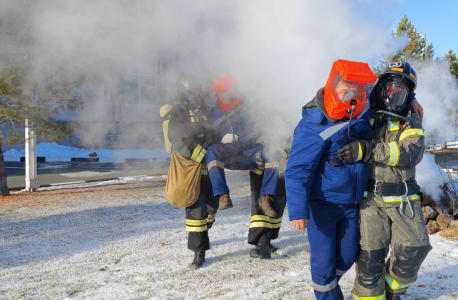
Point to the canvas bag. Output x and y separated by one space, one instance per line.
183 181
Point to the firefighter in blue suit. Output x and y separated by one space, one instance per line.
238 148
323 194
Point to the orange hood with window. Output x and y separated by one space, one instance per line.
355 72
227 92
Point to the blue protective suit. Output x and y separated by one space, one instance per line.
327 193
244 154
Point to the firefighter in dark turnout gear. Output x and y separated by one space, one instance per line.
190 133
264 229
390 213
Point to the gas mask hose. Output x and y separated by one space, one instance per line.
352 103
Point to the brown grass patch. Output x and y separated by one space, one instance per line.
450 233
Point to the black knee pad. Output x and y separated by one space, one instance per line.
409 259
370 267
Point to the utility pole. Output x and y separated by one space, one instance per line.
32 183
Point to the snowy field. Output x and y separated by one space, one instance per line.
122 240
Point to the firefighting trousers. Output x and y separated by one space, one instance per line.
220 157
263 228
200 217
383 226
333 237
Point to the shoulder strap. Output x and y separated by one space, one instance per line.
226 116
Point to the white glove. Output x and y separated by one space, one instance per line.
229 138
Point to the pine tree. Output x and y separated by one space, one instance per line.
416 49
453 60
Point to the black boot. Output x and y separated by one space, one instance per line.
198 261
261 251
273 249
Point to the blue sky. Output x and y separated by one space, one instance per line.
437 19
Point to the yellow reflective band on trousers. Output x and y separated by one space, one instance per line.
325 288
371 121
211 218
360 152
394 285
393 126
265 221
409 132
394 154
379 297
196 225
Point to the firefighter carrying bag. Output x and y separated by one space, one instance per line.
183 181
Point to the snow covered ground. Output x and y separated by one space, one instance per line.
122 240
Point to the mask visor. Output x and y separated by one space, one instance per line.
395 94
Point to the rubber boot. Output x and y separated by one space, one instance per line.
261 251
198 261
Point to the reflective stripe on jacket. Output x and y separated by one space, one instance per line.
309 174
397 153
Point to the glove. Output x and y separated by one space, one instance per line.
356 151
229 138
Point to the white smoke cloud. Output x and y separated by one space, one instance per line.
430 177
283 50
280 51
437 91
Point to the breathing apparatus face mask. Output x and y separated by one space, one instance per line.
394 95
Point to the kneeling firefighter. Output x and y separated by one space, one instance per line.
391 215
190 133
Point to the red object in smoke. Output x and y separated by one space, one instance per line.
227 92
354 74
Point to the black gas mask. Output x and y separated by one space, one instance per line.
392 97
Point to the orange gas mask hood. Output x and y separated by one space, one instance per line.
347 81
227 92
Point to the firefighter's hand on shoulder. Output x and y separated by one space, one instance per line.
355 151
229 138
